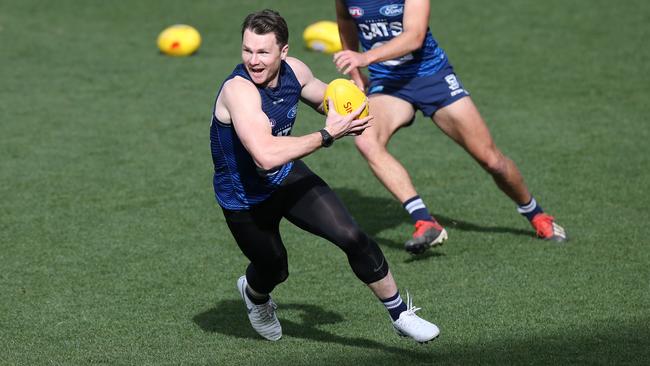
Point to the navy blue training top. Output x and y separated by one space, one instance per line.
238 182
379 21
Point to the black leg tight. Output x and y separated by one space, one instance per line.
309 203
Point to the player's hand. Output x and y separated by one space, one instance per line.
339 126
347 61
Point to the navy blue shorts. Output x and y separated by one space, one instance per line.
427 94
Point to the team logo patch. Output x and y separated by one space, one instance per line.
392 10
452 81
454 85
355 11
292 112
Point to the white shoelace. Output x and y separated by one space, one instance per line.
410 309
266 311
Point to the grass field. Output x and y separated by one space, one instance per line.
113 251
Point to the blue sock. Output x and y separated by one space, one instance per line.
530 209
394 305
416 209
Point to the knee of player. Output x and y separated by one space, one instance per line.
276 268
282 275
352 239
279 274
368 145
495 163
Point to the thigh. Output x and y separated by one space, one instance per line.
314 207
257 233
390 114
462 122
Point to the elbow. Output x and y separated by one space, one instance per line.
265 163
418 40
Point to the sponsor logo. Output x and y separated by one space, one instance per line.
392 10
292 112
379 266
355 11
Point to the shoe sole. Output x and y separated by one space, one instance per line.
420 342
556 238
421 248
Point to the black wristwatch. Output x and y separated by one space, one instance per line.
327 139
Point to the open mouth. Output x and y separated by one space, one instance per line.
256 71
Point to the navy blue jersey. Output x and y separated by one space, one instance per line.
238 182
379 21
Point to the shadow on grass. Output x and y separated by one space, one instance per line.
456 224
603 343
611 344
228 318
375 214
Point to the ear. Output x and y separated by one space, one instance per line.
284 51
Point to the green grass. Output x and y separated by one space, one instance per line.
113 251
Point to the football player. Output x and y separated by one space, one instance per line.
410 72
259 178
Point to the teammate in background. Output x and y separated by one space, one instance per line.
259 179
409 72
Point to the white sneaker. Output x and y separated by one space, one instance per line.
411 325
262 317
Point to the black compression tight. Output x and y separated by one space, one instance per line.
309 203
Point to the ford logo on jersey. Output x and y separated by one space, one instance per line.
392 10
355 11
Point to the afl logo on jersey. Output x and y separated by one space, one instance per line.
272 122
392 10
292 112
355 11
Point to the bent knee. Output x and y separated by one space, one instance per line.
275 276
351 240
494 163
369 145
281 275
276 270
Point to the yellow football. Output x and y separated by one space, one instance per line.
322 36
345 96
179 40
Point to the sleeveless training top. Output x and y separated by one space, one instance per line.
379 21
238 182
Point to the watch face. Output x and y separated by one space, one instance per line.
327 139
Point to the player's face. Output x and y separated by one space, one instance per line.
262 57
